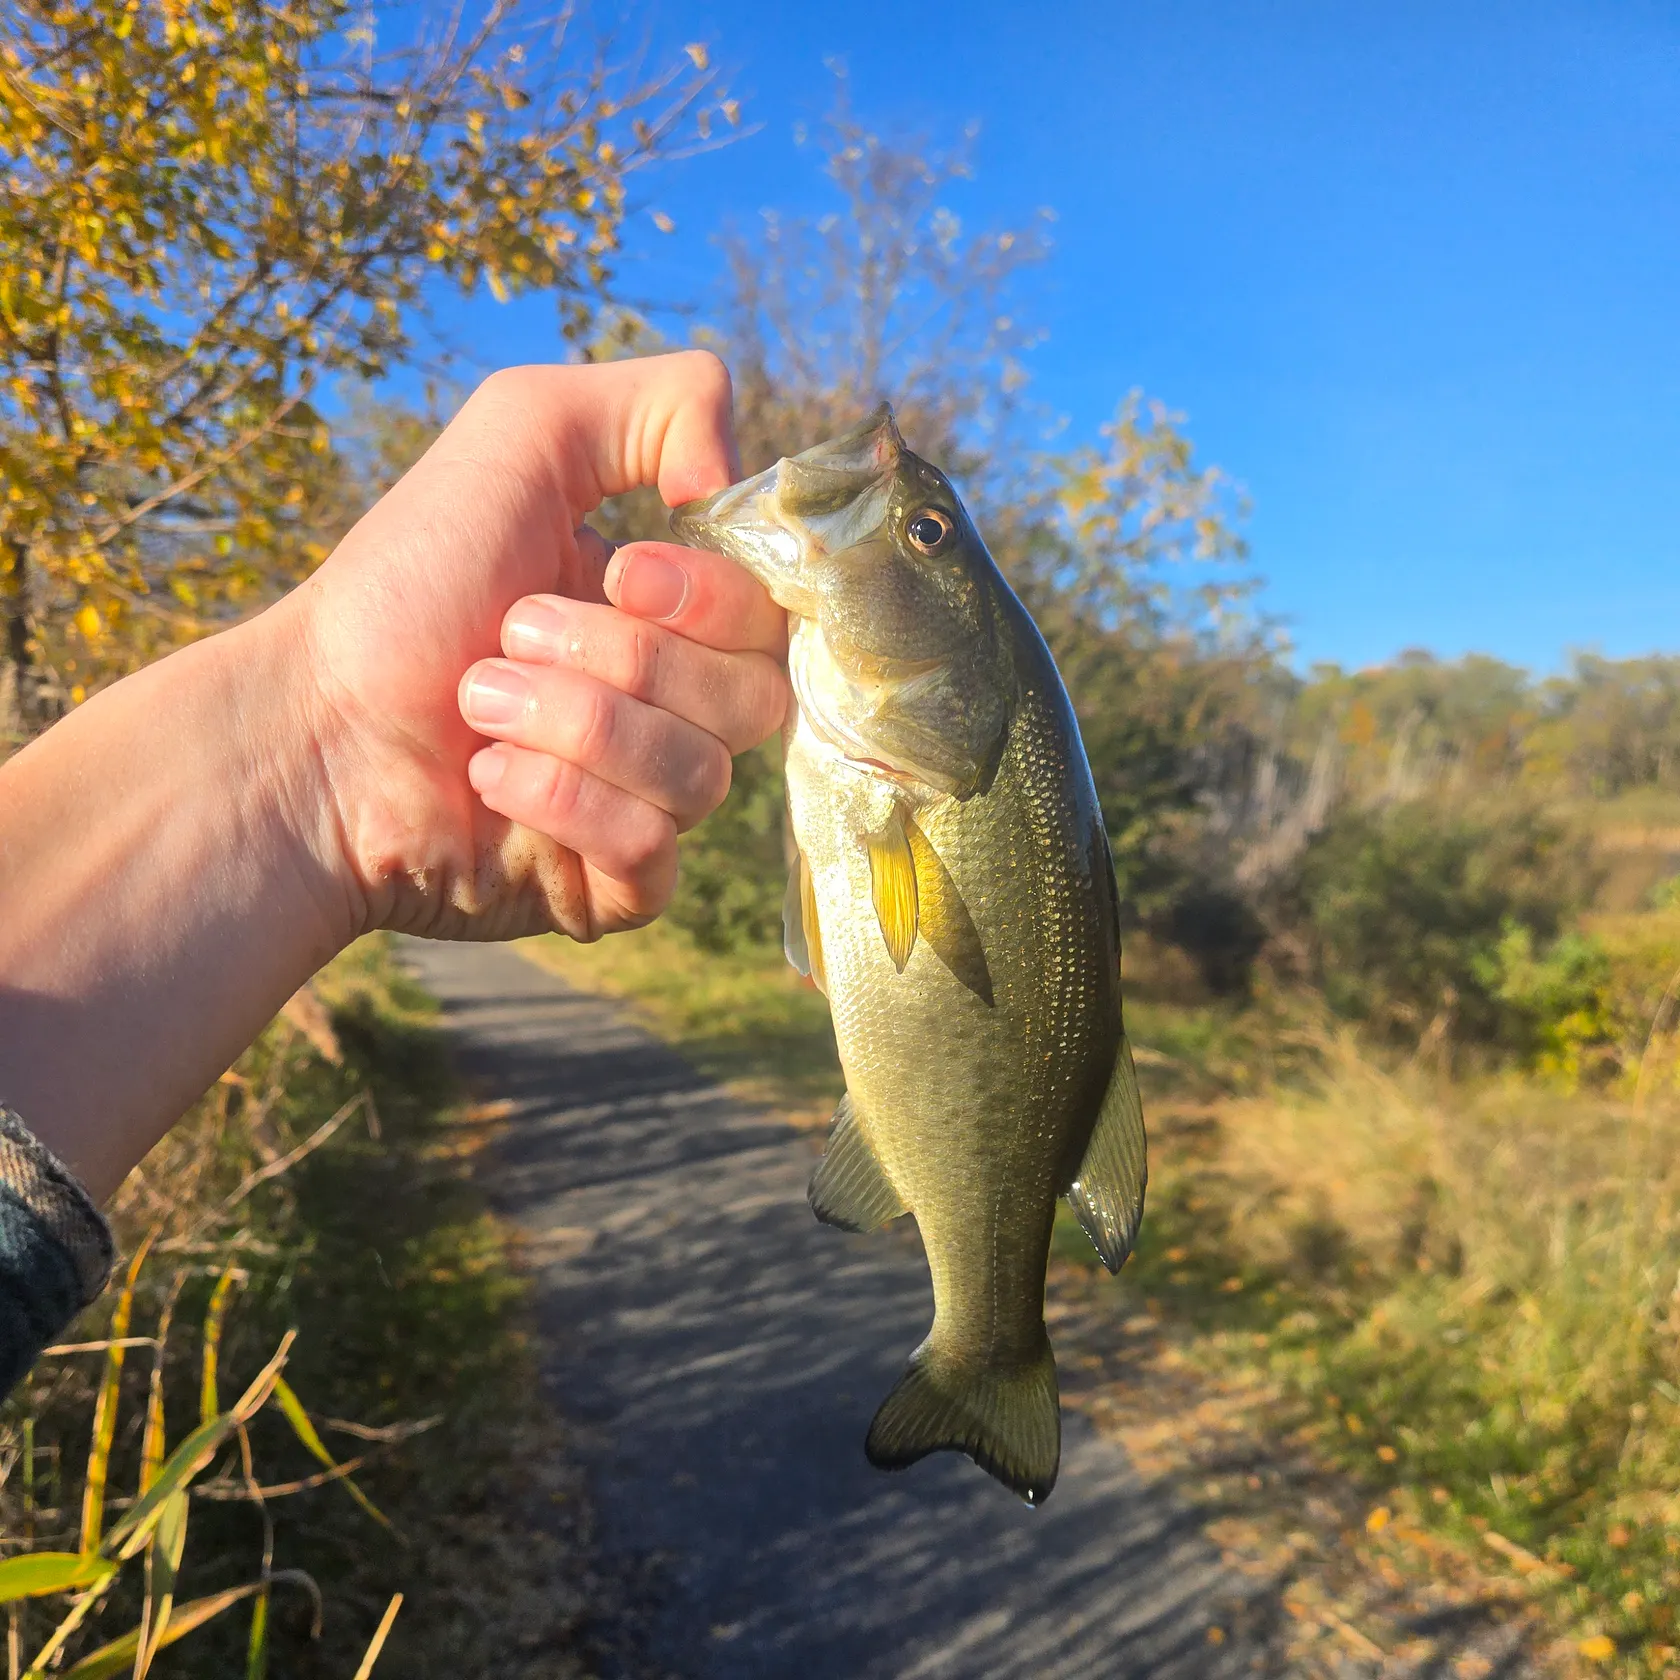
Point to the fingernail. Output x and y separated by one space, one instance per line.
496 694
651 587
485 771
533 631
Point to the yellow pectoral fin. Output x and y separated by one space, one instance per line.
813 931
944 918
796 947
892 881
801 936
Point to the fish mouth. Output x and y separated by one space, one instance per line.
827 498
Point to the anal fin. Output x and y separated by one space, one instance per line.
944 918
850 1187
1107 1191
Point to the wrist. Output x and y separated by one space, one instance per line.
284 750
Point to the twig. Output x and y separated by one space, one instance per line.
292 1156
230 1492
387 1432
1523 1560
101 1347
1650 1039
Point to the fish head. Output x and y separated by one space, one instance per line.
898 651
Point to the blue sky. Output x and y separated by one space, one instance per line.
1412 271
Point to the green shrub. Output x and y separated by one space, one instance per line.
734 865
1409 903
1563 1001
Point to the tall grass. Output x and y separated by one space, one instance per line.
742 1016
309 1396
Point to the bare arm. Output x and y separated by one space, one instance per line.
181 853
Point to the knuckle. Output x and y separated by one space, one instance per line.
595 724
646 840
767 701
559 794
712 778
644 898
497 387
641 656
708 371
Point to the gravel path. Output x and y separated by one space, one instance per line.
720 1355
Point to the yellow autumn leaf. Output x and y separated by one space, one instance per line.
88 621
1600 1647
1378 1520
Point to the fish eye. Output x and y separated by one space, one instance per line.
928 529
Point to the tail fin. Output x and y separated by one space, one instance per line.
1008 1421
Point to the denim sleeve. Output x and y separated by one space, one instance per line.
55 1249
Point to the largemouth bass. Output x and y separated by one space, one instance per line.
954 897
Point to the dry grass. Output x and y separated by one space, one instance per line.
1475 1287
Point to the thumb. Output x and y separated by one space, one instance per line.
609 427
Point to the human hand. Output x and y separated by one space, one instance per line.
625 684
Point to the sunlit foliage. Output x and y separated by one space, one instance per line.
209 209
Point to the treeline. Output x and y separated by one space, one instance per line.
1606 727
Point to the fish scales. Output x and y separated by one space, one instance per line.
964 925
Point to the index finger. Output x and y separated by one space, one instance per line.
699 595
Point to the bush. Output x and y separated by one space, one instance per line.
1564 1001
1409 904
734 865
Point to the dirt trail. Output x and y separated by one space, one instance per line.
719 1355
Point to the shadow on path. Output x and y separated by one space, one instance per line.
722 1354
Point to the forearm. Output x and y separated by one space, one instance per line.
162 892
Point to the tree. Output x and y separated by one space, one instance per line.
885 294
209 208
1611 725
1123 548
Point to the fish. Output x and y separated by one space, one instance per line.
952 893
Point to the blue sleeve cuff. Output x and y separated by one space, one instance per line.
55 1248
